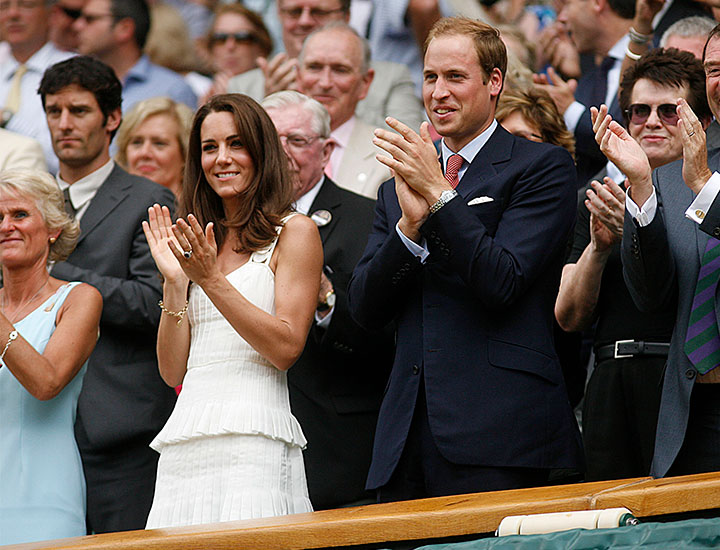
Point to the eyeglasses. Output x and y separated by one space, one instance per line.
296 141
90 18
638 113
70 12
239 37
316 14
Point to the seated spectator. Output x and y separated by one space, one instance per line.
48 329
153 139
631 347
335 70
392 92
236 39
18 151
688 34
115 31
531 114
25 30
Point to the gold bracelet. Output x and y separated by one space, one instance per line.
179 314
12 336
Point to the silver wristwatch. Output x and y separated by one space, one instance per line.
445 197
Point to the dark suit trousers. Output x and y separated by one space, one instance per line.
620 414
120 484
423 472
700 451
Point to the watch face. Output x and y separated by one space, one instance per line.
331 300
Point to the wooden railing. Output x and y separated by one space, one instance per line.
414 520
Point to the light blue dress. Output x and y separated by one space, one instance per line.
42 487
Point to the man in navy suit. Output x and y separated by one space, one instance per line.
476 399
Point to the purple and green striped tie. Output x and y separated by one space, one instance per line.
702 342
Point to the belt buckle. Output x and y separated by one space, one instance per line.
617 343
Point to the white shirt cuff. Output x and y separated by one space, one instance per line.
702 203
643 215
325 321
417 250
572 115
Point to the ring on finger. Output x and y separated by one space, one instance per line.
691 134
187 254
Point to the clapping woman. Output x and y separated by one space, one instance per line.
241 274
48 328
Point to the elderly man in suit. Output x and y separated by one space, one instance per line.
468 265
336 386
124 402
669 248
391 93
335 70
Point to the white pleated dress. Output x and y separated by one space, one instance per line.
231 449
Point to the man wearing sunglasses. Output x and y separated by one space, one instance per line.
623 395
670 246
63 15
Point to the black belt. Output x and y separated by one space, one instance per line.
631 348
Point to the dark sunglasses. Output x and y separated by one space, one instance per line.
70 12
638 113
239 37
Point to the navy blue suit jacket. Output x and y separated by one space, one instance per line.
475 321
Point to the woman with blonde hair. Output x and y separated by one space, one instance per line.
152 141
48 328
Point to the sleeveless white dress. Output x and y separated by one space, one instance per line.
231 449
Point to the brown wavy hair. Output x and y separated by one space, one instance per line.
537 106
268 197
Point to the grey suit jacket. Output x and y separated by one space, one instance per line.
123 397
392 93
660 261
359 171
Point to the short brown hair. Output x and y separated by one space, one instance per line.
490 48
269 195
537 106
668 67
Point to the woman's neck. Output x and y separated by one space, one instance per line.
19 284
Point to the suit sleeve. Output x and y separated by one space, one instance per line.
384 275
130 302
648 266
532 230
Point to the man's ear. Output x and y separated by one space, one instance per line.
327 150
366 81
124 30
113 120
495 82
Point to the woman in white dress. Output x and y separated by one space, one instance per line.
241 277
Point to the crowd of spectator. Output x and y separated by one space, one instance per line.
401 248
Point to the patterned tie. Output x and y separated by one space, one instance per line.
12 103
454 162
69 208
702 342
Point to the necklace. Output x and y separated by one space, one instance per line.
24 304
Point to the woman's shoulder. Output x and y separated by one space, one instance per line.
80 292
298 226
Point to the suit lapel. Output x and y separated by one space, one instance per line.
111 193
485 165
328 198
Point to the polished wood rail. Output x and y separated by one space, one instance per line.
414 520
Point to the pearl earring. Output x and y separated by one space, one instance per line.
52 240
